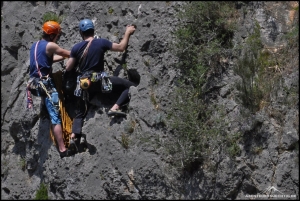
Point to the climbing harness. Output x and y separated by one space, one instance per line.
42 86
84 82
106 85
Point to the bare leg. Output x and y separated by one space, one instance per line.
57 130
115 107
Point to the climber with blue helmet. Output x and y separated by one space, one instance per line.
87 57
86 24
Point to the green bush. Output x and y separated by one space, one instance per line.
125 140
42 193
202 38
199 130
23 163
51 16
289 56
233 148
110 10
252 68
260 69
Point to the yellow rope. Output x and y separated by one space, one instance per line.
66 121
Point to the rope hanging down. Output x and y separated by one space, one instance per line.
66 121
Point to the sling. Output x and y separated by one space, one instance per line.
83 56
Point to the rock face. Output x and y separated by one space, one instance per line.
124 159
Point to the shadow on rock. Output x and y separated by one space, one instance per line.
82 145
116 119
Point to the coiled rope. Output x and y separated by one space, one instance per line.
66 121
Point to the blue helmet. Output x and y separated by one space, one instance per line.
86 24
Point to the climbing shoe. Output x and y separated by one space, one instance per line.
83 145
116 113
82 140
66 153
72 145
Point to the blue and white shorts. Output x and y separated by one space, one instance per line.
53 112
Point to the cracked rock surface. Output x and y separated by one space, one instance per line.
124 158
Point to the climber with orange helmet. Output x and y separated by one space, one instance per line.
43 54
48 51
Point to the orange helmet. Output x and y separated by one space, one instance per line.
51 27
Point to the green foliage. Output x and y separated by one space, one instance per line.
23 163
296 8
254 42
154 81
232 144
42 193
130 126
260 69
251 93
253 68
234 150
291 51
125 140
4 168
160 120
288 60
202 38
292 95
124 66
101 176
153 99
199 131
147 62
116 33
110 11
205 31
145 139
51 16
257 150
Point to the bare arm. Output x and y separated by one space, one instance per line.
57 58
124 42
53 48
70 64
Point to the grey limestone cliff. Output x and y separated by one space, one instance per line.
107 169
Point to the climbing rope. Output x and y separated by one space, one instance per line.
66 121
44 87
